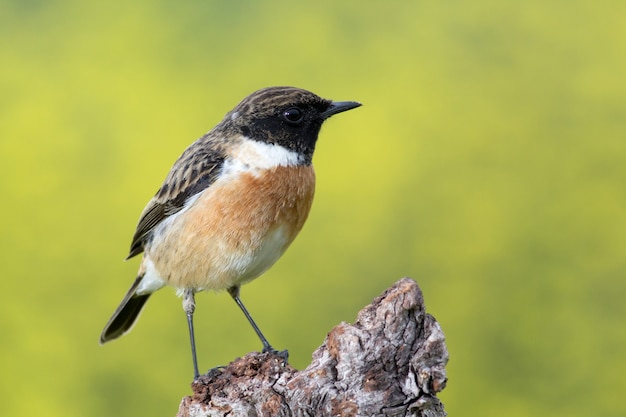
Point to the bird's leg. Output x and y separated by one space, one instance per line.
189 305
267 348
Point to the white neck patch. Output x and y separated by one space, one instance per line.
253 157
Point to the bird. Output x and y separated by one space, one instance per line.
230 205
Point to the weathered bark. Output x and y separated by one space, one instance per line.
390 362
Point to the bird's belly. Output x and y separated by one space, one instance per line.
235 230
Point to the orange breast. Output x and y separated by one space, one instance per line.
235 230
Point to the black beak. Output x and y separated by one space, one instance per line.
339 106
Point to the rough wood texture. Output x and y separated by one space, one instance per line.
390 362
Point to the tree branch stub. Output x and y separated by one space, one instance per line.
390 362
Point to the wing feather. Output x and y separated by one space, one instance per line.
195 170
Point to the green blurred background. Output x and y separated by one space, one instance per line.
488 162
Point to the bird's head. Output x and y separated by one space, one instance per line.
286 116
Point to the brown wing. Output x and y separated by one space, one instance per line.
195 170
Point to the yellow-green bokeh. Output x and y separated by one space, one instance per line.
488 162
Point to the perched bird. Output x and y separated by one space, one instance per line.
230 206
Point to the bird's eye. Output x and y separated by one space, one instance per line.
293 115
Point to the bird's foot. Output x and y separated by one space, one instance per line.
283 354
211 373
214 372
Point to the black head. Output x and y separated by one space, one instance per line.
285 116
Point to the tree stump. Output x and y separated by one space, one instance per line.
390 362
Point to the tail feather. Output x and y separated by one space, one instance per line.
125 314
